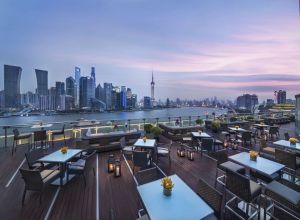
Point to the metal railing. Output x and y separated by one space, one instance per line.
74 129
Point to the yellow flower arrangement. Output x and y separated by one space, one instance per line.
293 140
262 123
167 183
253 155
199 131
64 149
145 139
237 127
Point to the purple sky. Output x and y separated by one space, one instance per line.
196 48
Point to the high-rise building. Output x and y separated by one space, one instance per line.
100 93
297 114
108 95
93 76
147 102
280 97
86 92
77 79
59 91
12 77
42 81
152 89
123 97
71 87
2 104
247 102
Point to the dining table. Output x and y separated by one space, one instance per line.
183 203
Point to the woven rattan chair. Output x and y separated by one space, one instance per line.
58 133
37 181
274 130
286 136
206 144
125 149
19 137
140 159
211 196
289 159
33 156
40 137
164 150
244 189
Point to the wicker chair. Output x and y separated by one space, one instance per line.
37 181
211 196
33 156
265 149
206 144
274 130
79 167
221 158
284 198
164 150
246 137
58 133
289 159
286 136
18 137
244 189
40 137
140 159
125 149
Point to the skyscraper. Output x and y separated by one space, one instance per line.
108 95
59 96
93 76
42 81
152 89
280 97
71 87
123 97
86 92
247 102
77 79
12 77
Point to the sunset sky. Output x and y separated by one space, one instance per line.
196 48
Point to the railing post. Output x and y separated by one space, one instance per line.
129 124
5 136
144 123
180 122
157 121
190 120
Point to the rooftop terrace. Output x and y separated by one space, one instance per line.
108 197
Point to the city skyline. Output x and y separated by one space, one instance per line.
199 49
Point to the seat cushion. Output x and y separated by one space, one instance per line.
285 192
79 162
128 148
161 150
269 150
47 175
255 189
233 167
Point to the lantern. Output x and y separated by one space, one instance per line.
117 168
190 155
181 152
111 163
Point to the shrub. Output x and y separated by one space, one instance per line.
147 128
215 126
156 131
199 121
233 119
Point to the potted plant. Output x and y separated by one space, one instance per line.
215 126
156 131
199 121
293 140
147 128
167 185
253 155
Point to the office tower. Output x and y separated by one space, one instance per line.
71 87
59 91
297 114
86 92
270 102
2 99
42 81
247 102
77 79
100 93
280 97
115 98
69 102
123 97
60 88
12 77
93 74
147 102
152 89
108 95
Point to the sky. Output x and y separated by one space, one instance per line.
196 48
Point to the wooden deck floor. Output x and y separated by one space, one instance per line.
93 201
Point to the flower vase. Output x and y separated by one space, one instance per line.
167 192
253 158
